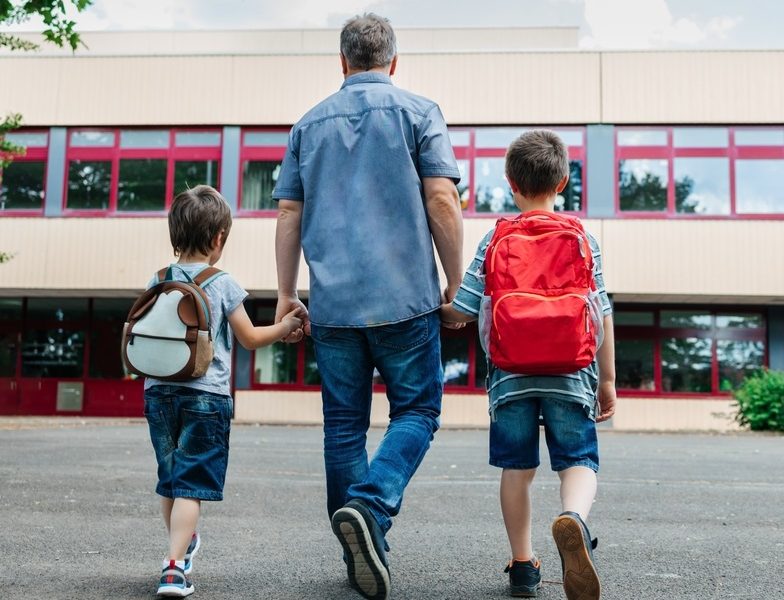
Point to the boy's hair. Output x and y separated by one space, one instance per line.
197 215
368 41
536 162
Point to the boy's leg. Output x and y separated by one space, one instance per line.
516 509
166 509
184 517
578 490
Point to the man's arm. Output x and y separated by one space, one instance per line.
446 224
606 359
287 252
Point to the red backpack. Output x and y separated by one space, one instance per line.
539 277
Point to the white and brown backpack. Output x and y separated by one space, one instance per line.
167 335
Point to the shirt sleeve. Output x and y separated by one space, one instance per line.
472 288
232 294
598 275
436 156
289 184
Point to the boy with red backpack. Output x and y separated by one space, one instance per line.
179 336
545 322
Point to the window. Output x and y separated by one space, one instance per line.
137 171
106 328
700 171
261 157
23 182
676 351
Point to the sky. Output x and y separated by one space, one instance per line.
611 24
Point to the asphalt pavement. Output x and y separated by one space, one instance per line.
677 516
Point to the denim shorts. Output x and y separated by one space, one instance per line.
189 430
569 431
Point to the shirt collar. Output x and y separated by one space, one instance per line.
367 77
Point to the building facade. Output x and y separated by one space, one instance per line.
676 164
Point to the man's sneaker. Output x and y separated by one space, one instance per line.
580 580
174 582
193 548
363 546
525 578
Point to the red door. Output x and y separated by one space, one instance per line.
9 370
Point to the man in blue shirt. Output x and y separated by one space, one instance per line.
367 187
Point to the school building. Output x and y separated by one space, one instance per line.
677 167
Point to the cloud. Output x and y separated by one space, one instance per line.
647 24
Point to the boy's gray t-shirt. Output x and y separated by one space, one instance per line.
225 295
502 386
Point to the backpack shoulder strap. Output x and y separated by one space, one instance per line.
162 274
207 276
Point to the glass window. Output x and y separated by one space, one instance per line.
492 192
109 315
759 137
497 137
258 181
702 186
643 184
266 138
275 364
454 356
142 185
686 365
312 375
758 188
56 309
28 140
642 137
189 174
681 319
572 196
737 360
634 364
22 185
53 353
10 309
464 187
88 184
700 137
8 348
624 317
92 139
481 365
144 139
191 139
750 321
459 138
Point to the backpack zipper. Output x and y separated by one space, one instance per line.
544 299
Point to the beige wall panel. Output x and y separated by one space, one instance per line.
500 88
30 87
677 414
702 258
692 87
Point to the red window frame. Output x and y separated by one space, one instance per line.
32 154
669 152
657 333
115 153
260 153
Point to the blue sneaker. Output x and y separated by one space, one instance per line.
193 548
363 547
525 578
575 546
174 583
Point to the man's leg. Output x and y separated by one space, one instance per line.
346 373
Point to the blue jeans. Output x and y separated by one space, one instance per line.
408 357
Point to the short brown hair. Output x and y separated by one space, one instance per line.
368 42
196 216
536 162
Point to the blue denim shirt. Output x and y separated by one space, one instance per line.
357 160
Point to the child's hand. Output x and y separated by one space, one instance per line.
446 315
605 397
293 320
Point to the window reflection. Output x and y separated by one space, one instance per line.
108 319
53 353
702 186
686 365
643 184
312 375
142 185
189 174
685 319
464 187
634 364
275 364
8 347
258 180
22 185
628 317
750 321
738 359
454 357
700 137
758 188
88 184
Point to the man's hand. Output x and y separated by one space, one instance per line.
606 401
286 304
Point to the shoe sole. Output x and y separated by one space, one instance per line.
189 569
580 580
524 591
175 592
366 573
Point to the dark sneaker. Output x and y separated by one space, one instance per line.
193 548
174 583
580 580
525 578
363 548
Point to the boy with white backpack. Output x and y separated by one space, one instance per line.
179 336
536 287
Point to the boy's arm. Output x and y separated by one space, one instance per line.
252 337
606 359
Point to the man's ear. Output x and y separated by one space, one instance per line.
343 63
562 184
393 65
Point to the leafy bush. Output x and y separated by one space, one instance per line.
761 401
